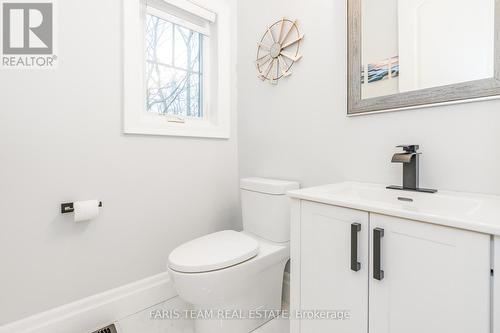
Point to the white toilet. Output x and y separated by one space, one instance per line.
227 274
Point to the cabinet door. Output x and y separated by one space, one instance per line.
328 282
435 279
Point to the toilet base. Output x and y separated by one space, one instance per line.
257 305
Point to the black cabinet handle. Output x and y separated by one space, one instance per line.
378 233
355 229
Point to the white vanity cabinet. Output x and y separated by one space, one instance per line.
413 276
436 279
327 280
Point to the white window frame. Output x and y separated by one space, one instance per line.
216 83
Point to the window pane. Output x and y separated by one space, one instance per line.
196 51
187 54
182 48
173 70
195 96
159 40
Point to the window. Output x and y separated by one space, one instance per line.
177 79
174 68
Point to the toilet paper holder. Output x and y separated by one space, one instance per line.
68 207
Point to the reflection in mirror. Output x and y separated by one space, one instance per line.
409 45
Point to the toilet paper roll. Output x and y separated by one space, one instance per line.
86 210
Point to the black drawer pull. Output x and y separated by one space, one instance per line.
355 229
378 233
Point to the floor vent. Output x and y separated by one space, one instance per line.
107 329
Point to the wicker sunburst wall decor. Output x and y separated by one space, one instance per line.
278 50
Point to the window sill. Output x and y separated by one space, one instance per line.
181 130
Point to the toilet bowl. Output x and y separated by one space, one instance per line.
233 279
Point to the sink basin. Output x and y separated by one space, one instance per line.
439 203
476 212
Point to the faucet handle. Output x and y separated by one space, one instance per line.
409 148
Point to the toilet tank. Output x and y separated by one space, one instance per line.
266 208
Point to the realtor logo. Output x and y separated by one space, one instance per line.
28 34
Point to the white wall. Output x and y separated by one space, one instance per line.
299 129
61 139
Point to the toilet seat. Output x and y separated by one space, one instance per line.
213 252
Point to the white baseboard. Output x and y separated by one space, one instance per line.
91 313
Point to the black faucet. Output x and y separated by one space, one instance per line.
410 160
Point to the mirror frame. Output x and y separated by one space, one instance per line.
448 94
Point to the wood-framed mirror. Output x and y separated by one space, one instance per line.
405 54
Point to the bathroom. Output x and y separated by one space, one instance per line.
69 133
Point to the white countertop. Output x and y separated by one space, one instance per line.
475 212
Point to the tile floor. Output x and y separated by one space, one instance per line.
142 323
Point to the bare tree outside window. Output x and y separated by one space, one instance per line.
174 69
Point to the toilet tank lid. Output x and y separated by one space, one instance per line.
268 186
